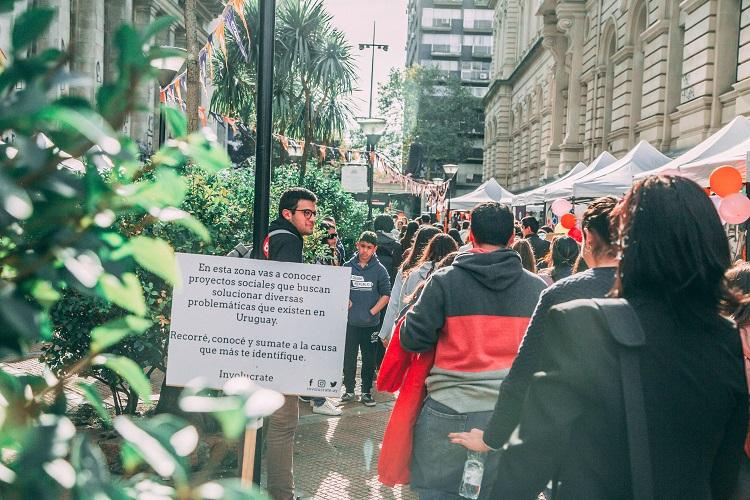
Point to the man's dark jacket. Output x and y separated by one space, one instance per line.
284 247
540 246
390 254
573 421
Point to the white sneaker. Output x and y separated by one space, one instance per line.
327 408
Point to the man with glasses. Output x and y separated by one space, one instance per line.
296 218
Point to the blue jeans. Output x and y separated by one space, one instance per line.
437 465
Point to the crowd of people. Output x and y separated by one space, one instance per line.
611 367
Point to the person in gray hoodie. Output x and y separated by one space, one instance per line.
368 295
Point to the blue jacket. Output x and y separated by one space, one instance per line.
368 284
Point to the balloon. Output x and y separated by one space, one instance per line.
716 200
576 234
561 206
568 221
735 208
725 180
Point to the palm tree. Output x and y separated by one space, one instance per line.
314 74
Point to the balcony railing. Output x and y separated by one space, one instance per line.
481 51
447 2
438 25
481 25
445 50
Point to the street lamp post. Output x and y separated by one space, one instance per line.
373 46
373 129
450 170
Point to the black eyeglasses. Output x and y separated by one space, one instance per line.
309 214
332 236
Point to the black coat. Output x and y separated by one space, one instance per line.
389 254
573 424
284 247
538 245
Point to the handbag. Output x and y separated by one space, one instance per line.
623 324
625 327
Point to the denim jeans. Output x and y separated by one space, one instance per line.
437 465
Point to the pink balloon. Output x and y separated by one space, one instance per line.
561 206
716 200
735 208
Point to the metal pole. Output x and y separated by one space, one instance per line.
264 115
448 214
370 179
372 68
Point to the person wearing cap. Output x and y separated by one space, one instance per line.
368 295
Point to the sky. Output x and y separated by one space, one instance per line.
355 18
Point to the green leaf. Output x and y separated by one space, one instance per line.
130 457
206 155
155 255
30 25
184 219
130 371
112 332
45 293
127 293
232 422
151 440
176 121
95 400
86 123
6 5
159 24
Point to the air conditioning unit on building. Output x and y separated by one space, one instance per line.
484 76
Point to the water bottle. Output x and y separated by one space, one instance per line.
471 482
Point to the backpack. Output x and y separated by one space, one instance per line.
242 251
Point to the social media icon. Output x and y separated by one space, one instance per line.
333 384
321 383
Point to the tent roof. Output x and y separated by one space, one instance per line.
726 138
564 188
488 191
700 170
618 177
536 195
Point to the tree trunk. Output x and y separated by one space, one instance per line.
192 100
308 137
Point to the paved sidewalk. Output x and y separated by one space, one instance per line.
337 457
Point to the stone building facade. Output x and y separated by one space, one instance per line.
88 27
572 78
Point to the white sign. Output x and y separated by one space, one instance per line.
354 178
282 325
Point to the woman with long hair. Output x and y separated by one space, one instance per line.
563 257
411 259
438 248
674 255
406 241
524 250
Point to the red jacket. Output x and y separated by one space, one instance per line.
405 371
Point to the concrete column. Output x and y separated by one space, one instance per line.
553 42
571 21
87 33
117 13
58 34
143 123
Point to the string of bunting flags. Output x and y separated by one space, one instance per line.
233 12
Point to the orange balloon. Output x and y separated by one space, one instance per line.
725 180
568 221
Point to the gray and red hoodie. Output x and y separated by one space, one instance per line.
474 314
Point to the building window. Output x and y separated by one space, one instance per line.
478 19
444 67
439 18
475 70
478 91
481 45
442 44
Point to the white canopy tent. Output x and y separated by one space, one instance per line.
564 188
617 178
536 195
700 170
489 191
700 159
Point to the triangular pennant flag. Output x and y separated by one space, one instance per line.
322 150
284 143
239 8
221 39
202 115
232 26
163 97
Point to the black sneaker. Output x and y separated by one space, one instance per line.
348 397
367 400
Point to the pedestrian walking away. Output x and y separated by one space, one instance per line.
473 314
